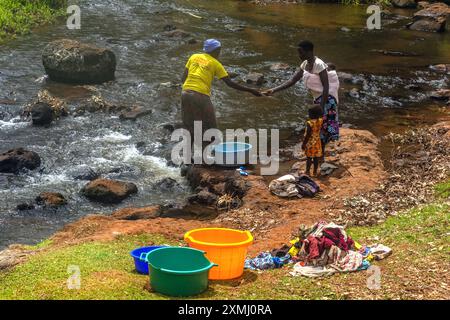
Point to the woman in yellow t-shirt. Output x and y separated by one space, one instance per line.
200 71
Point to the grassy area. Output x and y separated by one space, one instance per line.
18 17
418 267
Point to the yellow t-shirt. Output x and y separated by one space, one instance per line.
202 70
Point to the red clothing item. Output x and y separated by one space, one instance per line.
335 235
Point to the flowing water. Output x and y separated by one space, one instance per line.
392 92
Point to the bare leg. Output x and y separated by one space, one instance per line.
308 166
316 166
322 159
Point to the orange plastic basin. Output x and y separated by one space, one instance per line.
225 247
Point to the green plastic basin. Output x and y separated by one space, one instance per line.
178 271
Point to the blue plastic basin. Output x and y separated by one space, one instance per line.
232 153
139 255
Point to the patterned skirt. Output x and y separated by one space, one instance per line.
330 126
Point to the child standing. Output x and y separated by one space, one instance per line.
312 144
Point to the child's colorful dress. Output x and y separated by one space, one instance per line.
314 145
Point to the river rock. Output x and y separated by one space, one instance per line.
176 33
137 213
83 173
404 3
255 78
25 206
51 199
18 159
12 256
432 19
236 187
41 114
345 77
108 191
441 68
167 184
204 197
134 113
423 4
234 27
279 66
70 61
353 93
440 94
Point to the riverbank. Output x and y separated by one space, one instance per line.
19 17
417 269
99 244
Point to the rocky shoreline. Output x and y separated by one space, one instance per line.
271 219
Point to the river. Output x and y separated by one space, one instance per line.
392 91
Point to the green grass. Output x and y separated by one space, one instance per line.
418 237
443 190
18 17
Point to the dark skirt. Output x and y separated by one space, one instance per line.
197 107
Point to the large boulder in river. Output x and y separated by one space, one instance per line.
433 18
70 61
108 191
15 160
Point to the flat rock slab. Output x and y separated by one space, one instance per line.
108 191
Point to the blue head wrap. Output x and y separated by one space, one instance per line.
210 45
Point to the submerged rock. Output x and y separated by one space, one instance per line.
441 68
404 3
176 33
279 66
167 184
255 78
41 114
108 191
51 199
18 159
234 27
134 113
441 94
70 61
25 206
83 173
432 18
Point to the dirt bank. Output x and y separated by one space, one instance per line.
271 219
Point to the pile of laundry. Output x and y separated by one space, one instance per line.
291 185
320 250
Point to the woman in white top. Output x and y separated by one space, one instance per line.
323 86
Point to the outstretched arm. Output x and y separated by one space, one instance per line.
239 87
326 88
297 76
